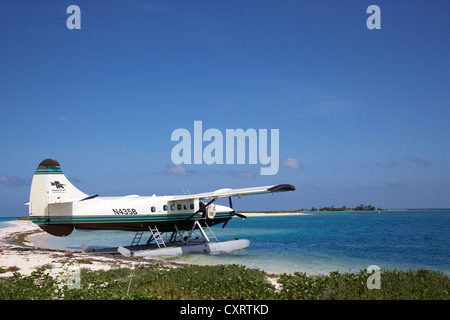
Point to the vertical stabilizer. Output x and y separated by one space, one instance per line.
49 184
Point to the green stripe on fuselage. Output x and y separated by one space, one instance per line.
48 170
119 219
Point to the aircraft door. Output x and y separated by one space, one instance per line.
211 210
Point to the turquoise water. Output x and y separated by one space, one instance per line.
314 243
3 221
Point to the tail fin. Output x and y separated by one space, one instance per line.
49 186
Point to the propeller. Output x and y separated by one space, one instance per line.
233 213
240 215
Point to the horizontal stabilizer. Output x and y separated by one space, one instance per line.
90 197
70 200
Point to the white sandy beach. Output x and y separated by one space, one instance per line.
19 255
262 214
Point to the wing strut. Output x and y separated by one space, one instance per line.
214 199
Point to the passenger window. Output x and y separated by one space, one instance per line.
191 206
179 206
165 207
153 209
172 207
185 206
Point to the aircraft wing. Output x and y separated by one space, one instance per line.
224 193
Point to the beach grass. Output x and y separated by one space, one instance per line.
423 284
225 282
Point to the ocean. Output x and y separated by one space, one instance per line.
3 221
315 243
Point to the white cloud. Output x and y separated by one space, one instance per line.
242 174
291 163
419 161
396 185
13 181
327 105
178 170
405 162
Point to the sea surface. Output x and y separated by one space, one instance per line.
4 220
315 243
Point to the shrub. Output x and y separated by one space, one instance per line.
224 282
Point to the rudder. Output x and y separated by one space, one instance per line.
49 185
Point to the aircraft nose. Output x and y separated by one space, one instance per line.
220 208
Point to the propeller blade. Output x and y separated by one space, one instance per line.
223 226
239 215
234 213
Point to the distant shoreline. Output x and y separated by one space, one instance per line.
292 212
267 214
19 254
307 211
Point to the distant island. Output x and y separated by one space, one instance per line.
361 207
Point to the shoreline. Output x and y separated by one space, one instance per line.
18 254
273 214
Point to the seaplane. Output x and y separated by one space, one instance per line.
58 208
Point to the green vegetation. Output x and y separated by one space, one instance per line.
395 285
361 207
271 211
224 282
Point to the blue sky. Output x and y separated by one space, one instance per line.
362 114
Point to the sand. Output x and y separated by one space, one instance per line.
262 214
17 254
